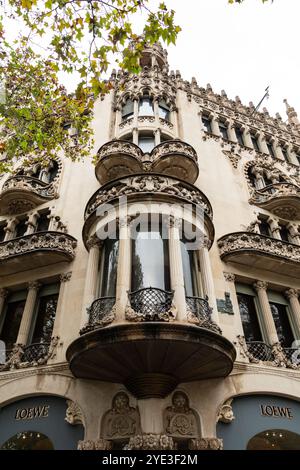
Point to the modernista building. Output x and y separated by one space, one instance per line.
148 338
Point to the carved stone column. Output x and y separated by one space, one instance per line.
260 182
247 138
10 229
151 415
157 137
292 295
28 312
215 126
270 329
293 229
275 229
207 278
124 267
176 269
156 114
278 150
3 295
91 278
31 223
231 131
135 135
262 143
64 278
292 155
118 119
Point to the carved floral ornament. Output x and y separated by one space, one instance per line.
148 184
74 414
122 421
179 419
225 414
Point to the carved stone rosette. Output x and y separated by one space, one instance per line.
206 443
150 441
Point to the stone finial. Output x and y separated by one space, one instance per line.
194 81
223 93
209 87
266 112
251 105
291 114
278 116
238 100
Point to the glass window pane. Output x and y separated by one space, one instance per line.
282 324
239 135
164 110
145 107
127 110
207 124
10 328
45 319
21 228
249 318
223 130
43 222
150 261
189 270
264 228
146 143
109 272
254 142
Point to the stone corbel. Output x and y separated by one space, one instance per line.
206 443
73 413
97 444
225 414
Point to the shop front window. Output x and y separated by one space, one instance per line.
274 439
28 440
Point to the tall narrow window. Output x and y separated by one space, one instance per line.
254 142
284 233
109 268
164 110
2 233
264 228
223 130
249 318
285 154
45 314
189 264
150 260
43 222
10 323
146 143
146 106
206 121
270 148
52 170
127 110
21 228
283 327
239 135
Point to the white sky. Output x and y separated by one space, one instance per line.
241 48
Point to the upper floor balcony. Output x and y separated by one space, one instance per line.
120 158
283 199
36 250
260 251
29 188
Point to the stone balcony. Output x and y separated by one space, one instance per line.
150 352
262 252
138 188
283 199
22 193
36 250
120 158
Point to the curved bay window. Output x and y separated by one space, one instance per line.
150 259
127 109
164 110
146 142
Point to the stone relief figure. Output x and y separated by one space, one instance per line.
122 420
179 419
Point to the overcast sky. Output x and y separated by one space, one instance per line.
241 48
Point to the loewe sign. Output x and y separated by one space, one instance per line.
276 411
41 411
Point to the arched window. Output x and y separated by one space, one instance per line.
127 109
146 106
28 440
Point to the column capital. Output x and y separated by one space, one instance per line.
291 293
175 221
3 293
206 242
93 241
260 285
230 277
33 285
65 277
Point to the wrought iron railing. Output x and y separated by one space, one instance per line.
100 309
292 355
199 307
151 303
260 350
35 352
